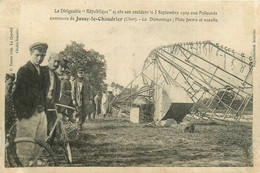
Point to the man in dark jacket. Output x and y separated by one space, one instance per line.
51 89
29 103
65 93
82 97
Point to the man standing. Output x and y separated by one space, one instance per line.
82 97
51 88
97 101
104 104
110 97
65 93
29 103
62 67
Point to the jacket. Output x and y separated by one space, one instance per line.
82 93
29 92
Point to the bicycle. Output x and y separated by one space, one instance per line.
48 157
64 142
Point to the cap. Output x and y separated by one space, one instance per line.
80 69
38 45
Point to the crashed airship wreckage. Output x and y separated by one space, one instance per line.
202 79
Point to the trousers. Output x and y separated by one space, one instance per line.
82 113
35 127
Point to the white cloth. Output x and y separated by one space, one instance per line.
104 104
80 86
79 89
49 96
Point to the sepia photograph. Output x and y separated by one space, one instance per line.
147 84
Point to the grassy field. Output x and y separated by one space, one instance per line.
118 143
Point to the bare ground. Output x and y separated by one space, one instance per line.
116 142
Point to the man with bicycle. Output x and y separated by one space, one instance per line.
29 103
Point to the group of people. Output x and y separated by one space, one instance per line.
39 88
103 103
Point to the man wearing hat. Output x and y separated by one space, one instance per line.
51 89
82 97
29 103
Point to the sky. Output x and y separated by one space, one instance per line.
126 45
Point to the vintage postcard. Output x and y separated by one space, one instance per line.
129 86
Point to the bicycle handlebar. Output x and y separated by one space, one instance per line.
65 106
61 105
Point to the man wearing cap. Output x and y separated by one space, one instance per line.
62 67
82 97
51 89
29 103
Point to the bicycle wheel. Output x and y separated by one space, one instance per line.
62 152
65 132
68 152
66 144
45 159
61 146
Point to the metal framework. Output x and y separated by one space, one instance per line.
217 79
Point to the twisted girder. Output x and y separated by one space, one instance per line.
201 69
211 74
